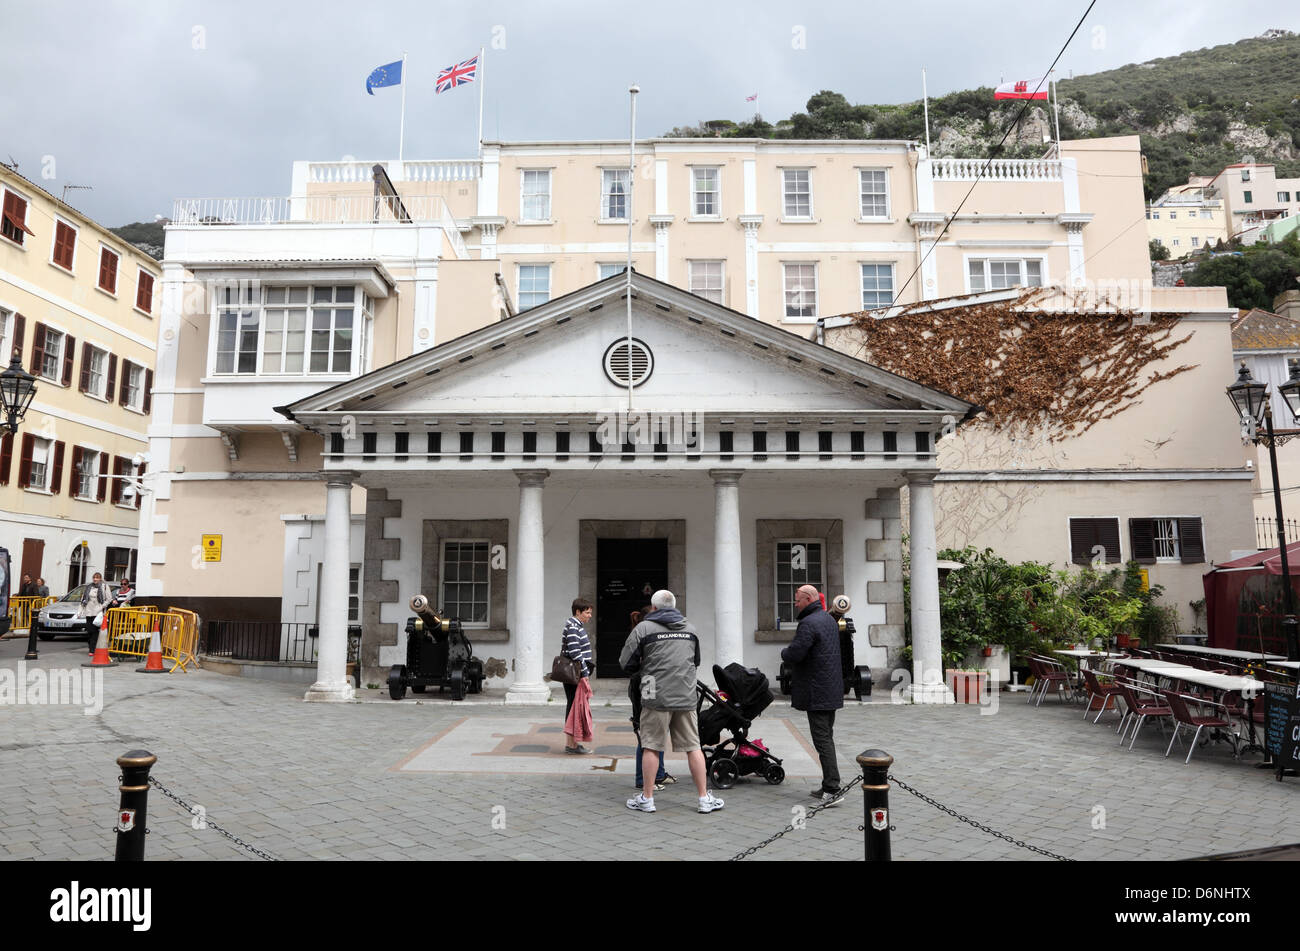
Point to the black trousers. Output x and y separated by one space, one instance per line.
570 690
821 723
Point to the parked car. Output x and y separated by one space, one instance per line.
65 616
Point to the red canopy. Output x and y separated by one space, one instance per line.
1243 605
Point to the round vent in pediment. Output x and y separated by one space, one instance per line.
628 362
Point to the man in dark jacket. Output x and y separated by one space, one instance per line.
817 683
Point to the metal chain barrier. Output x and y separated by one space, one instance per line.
843 790
983 828
209 823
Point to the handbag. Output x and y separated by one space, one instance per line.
565 670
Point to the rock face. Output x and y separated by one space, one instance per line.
1185 122
1073 112
1248 138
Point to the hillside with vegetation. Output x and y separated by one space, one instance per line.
148 236
1195 112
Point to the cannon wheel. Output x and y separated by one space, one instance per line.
397 683
724 772
863 682
456 680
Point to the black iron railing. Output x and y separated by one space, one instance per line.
282 641
1266 532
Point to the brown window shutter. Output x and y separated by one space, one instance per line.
56 477
75 479
1142 536
69 355
6 457
1191 543
121 387
144 292
116 494
112 378
38 350
20 325
64 243
84 383
148 392
1082 538
25 461
1108 536
102 492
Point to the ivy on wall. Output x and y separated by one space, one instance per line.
1048 370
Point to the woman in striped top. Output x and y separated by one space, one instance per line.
575 643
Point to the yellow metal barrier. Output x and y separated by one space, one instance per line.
130 629
180 638
23 609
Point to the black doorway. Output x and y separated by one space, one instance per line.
628 571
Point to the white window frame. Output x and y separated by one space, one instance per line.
58 360
442 579
117 272
722 278
785 210
259 306
1177 242
608 176
1173 216
524 196
354 593
135 402
1207 213
519 281
785 293
695 193
76 240
1284 197
893 283
27 214
6 332
776 581
1044 277
889 206
92 454
1196 241
618 267
1172 539
46 466
102 392
1155 216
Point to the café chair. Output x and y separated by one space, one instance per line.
1098 689
1050 673
1178 703
1142 703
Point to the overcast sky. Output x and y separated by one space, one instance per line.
151 100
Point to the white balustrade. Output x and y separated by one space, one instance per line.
996 170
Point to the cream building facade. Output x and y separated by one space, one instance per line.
1253 196
331 353
80 306
1186 219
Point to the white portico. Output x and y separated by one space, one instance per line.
506 475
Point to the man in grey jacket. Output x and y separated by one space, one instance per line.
666 651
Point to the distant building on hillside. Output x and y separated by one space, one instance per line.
1187 218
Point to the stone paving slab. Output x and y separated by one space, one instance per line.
305 781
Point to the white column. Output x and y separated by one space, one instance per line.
927 657
1074 244
750 223
530 582
332 645
729 640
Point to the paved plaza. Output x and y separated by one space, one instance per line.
380 779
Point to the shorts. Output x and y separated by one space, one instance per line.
656 725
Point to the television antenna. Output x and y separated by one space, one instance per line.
64 197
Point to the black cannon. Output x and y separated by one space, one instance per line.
438 654
856 678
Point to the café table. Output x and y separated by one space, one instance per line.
1219 652
1248 687
1080 656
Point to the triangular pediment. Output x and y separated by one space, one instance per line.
551 361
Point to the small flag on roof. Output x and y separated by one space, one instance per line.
457 75
387 75
751 98
1022 89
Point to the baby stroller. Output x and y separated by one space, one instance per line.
741 696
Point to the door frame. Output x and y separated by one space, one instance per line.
591 529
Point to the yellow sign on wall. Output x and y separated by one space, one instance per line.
211 547
1146 579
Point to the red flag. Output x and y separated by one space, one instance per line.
1022 89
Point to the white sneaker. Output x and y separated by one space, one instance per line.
710 802
831 799
640 803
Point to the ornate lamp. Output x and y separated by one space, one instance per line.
17 387
1249 397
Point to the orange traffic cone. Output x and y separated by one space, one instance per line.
101 658
153 664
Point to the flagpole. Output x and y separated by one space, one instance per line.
401 134
631 177
1056 95
925 97
482 74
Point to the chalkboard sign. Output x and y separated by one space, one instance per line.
1282 730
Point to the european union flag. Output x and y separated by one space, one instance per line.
388 75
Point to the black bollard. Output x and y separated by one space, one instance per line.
31 642
133 810
875 787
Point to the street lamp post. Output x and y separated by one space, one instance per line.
17 387
1251 400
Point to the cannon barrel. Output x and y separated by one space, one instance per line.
424 611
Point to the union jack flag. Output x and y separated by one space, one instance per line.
457 75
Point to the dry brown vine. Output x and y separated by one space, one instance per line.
1057 372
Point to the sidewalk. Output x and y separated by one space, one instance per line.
436 780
